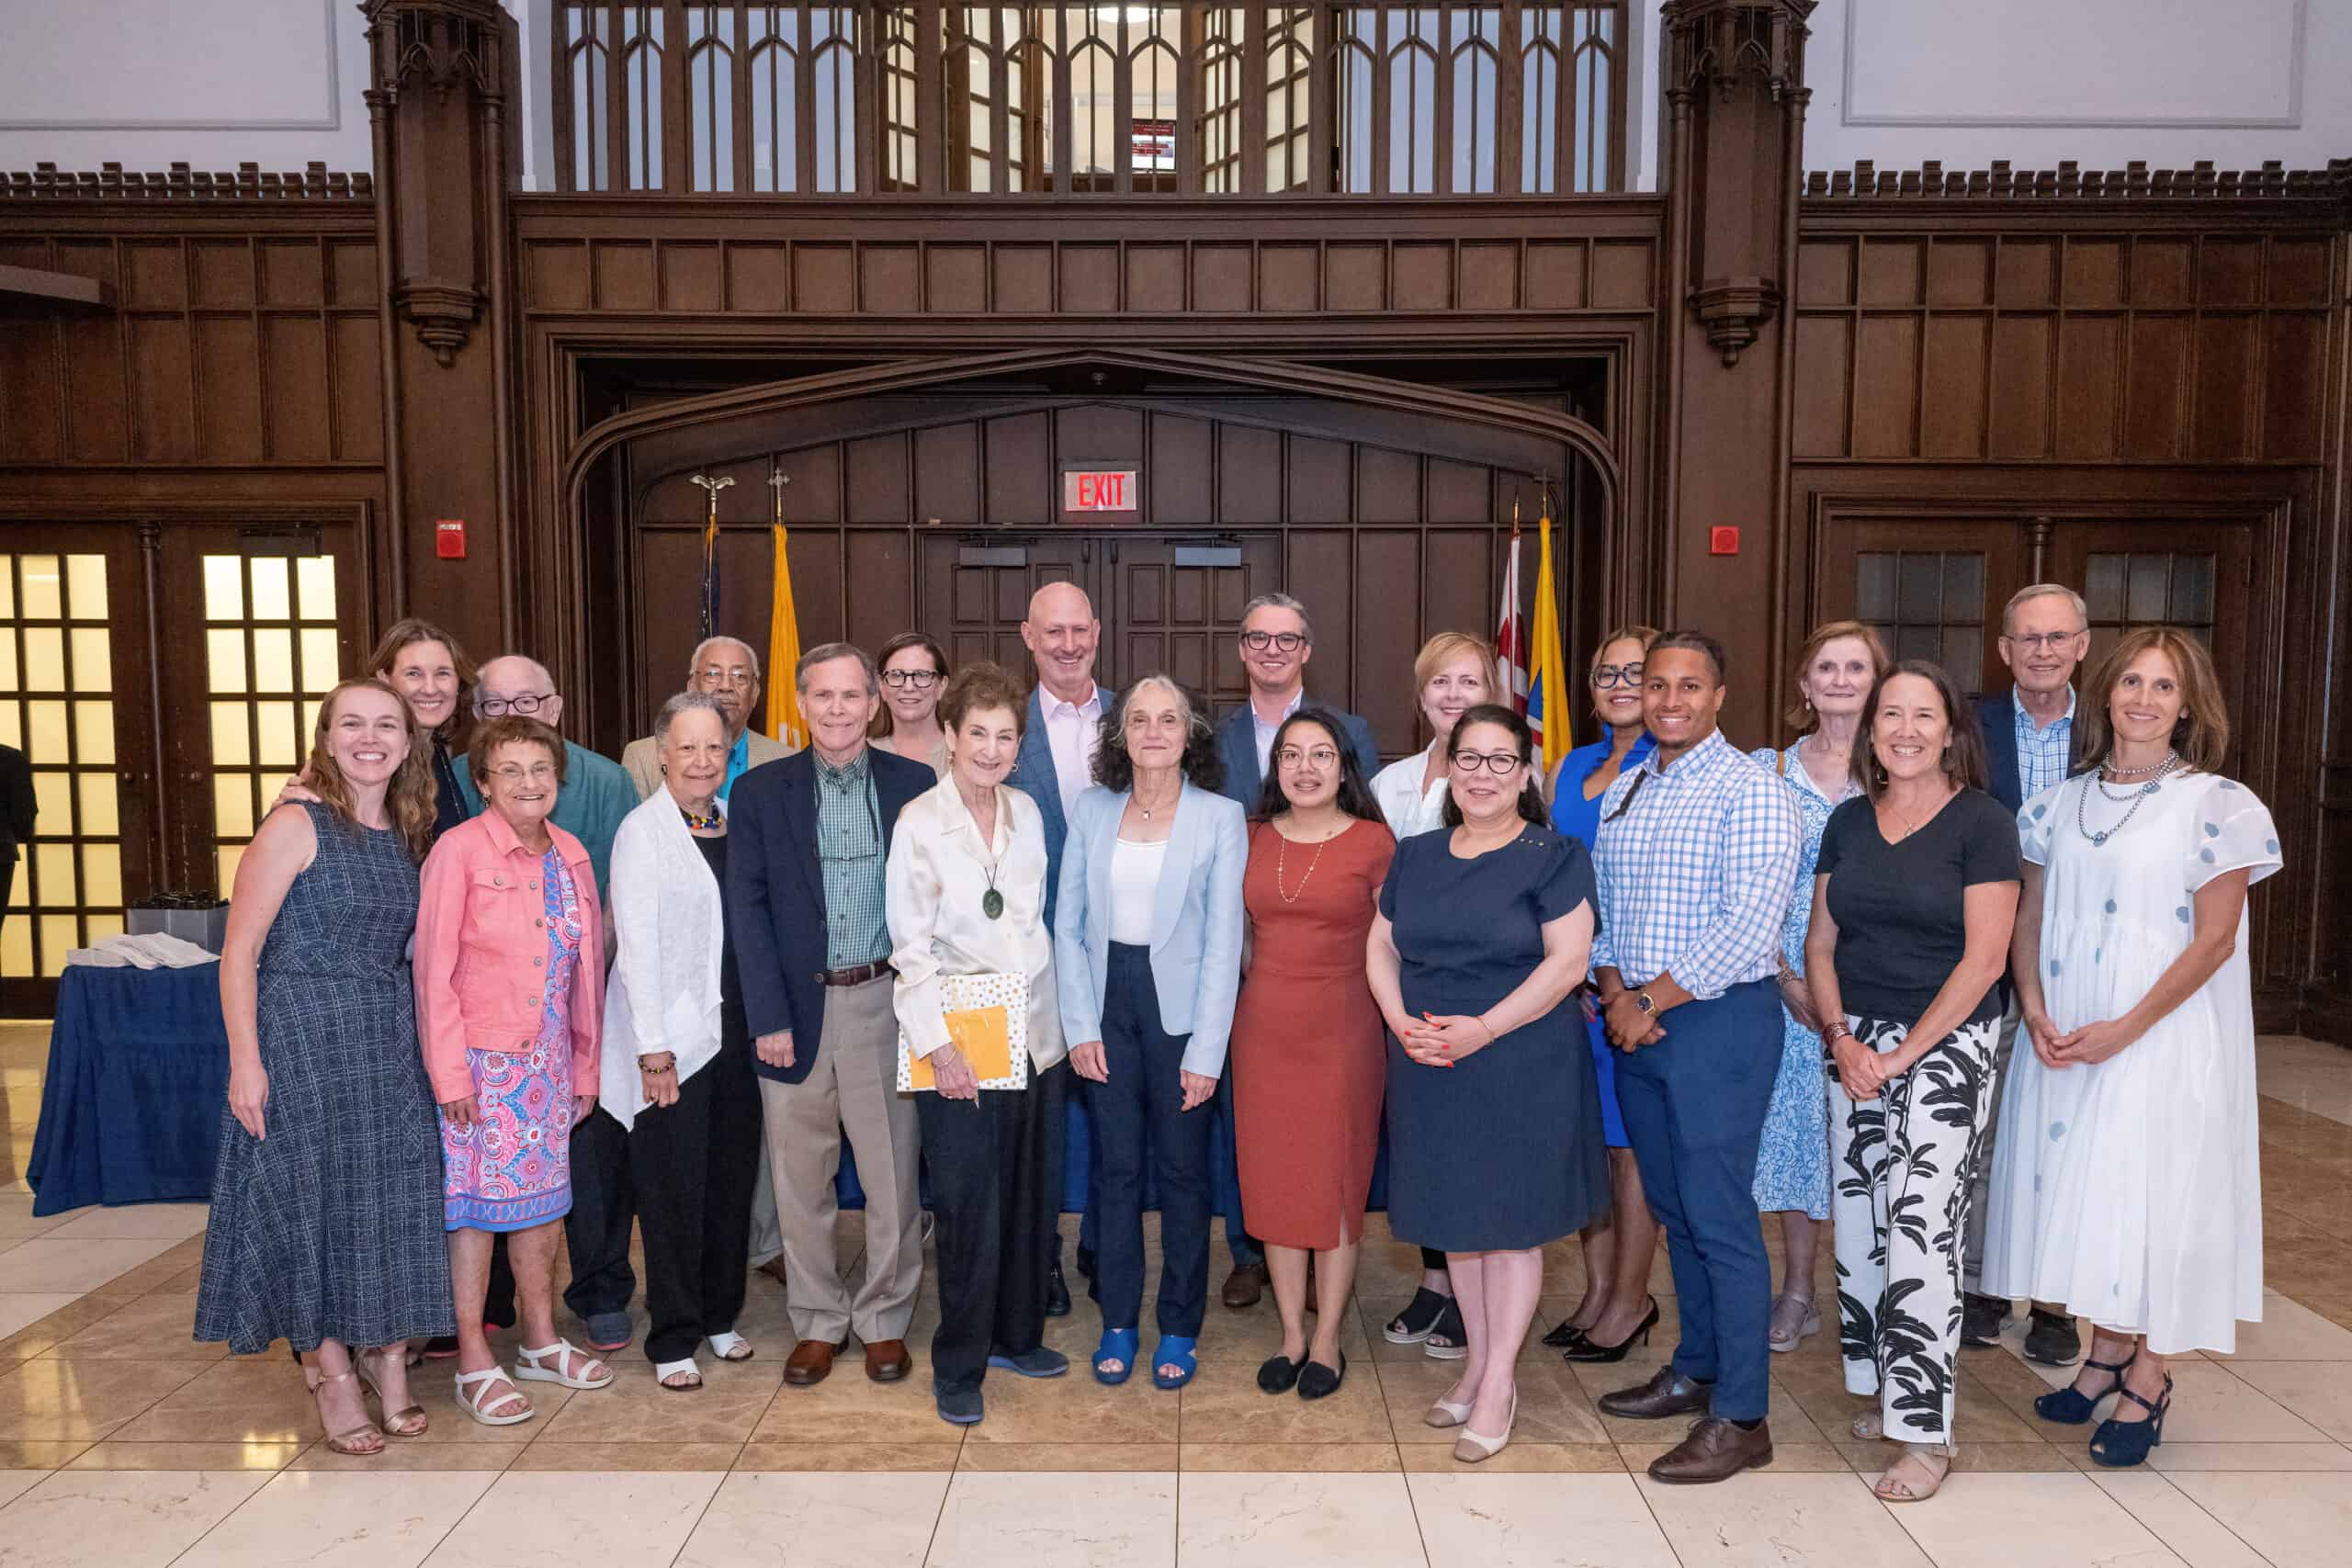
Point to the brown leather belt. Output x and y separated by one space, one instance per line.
856 974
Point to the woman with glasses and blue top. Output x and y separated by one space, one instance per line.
1148 928
914 677
1616 1310
1494 1125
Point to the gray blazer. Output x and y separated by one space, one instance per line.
1195 927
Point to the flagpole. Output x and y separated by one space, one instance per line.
711 486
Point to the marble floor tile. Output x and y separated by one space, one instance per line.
2194 1536
2285 1458
122 1518
1239 1520
1012 1519
848 1458
2213 1403
2290 1522
785 1520
253 1402
172 1222
1224 1403
1074 1458
1073 1408
106 1454
385 1520
650 1458
2289 1331
1526 1521
846 1408
22 1309
1517 1458
578 1520
2319 1392
1554 1406
410 1454
146 1329
710 1415
16 1482
2030 1522
1770 1519
46 1264
1297 1457
17 1221
84 1399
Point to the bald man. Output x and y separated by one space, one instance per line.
727 671
1055 763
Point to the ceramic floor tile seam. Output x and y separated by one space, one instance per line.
2220 1522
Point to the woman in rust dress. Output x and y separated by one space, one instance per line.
1309 1059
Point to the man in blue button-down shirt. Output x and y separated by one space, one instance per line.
1696 860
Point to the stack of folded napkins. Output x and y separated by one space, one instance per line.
153 951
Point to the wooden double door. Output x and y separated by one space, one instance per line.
162 678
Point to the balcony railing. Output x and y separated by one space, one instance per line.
816 100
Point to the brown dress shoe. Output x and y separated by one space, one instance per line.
886 1360
1715 1451
811 1361
1667 1393
1245 1286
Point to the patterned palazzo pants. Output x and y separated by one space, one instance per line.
1902 1165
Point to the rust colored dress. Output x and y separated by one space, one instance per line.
1308 1057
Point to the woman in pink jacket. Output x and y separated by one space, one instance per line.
510 983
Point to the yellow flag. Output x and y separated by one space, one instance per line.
784 720
1547 667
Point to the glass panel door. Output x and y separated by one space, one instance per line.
1933 589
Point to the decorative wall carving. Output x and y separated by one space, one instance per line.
183 184
2199 181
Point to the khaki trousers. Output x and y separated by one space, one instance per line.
851 1089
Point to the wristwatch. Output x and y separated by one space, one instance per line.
1642 1000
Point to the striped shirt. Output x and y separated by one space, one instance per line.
849 851
2042 754
1695 864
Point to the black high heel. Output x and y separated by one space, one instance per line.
2119 1445
2069 1406
1588 1351
1564 1336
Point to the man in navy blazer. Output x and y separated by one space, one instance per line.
1276 641
1055 764
808 840
2032 741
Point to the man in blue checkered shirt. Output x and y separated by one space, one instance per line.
1696 862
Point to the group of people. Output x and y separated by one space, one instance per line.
1668 988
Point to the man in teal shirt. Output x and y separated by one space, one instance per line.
597 793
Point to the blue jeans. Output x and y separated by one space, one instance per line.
1140 1109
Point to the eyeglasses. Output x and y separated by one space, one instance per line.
1291 756
712 675
1493 762
920 679
537 773
1289 642
1605 675
2037 642
499 707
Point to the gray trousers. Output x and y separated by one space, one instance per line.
852 1087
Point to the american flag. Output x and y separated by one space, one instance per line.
1511 637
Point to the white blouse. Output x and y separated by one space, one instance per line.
662 992
1409 808
1135 890
937 879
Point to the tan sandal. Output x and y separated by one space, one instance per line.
363 1440
410 1420
1930 1460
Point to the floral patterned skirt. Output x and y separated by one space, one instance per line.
511 1170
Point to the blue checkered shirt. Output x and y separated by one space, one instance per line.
2042 754
1696 873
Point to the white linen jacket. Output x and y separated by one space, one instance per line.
666 908
937 879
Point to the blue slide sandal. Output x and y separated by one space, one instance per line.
1176 1349
1119 1345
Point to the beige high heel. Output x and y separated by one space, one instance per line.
363 1440
410 1420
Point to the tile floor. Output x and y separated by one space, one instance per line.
124 1443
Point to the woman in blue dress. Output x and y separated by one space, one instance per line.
1836 669
1618 1247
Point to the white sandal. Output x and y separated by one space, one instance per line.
472 1402
730 1346
526 1365
665 1371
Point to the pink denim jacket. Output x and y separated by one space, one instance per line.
482 950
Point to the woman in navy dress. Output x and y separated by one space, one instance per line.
1493 1123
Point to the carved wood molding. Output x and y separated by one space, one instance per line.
2071 181
181 183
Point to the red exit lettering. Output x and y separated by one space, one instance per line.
1101 490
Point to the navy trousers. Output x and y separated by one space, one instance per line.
1140 1113
1694 1107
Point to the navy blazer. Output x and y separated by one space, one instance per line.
1237 738
1996 712
1033 775
775 891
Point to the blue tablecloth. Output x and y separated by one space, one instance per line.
130 1104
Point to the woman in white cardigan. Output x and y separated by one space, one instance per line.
677 1063
966 883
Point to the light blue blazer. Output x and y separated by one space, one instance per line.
1195 925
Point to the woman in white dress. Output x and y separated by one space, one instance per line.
2136 1201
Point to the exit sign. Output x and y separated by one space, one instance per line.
1100 490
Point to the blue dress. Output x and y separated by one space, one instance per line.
1792 1157
1576 817
1501 1151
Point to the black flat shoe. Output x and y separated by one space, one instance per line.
1057 1293
1590 1351
1279 1374
1317 1380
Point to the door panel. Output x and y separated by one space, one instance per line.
2195 577
1933 588
1175 606
975 591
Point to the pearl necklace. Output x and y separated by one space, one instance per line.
2137 797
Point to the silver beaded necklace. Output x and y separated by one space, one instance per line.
2136 796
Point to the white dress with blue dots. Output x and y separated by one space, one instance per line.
2131 1190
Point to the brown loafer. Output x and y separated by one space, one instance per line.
1715 1451
1667 1393
811 1361
886 1360
1245 1286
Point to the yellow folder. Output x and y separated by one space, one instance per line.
985 1037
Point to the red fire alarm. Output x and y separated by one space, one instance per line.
450 539
1719 541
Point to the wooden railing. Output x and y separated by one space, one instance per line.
824 100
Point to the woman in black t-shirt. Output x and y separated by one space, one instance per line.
1913 899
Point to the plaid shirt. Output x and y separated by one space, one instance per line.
1695 870
848 850
2043 753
